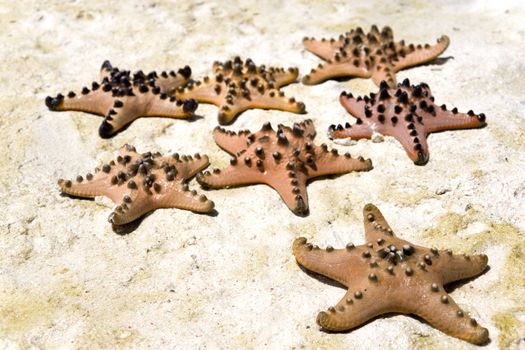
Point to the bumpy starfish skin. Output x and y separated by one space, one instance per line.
140 183
238 86
388 274
284 160
374 55
121 97
407 113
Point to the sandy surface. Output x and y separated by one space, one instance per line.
191 281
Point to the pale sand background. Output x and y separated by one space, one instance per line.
191 281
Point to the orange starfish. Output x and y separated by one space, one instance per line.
121 97
407 113
140 183
284 160
374 55
388 274
238 86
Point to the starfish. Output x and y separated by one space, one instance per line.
284 160
140 183
238 86
121 97
389 274
374 55
407 113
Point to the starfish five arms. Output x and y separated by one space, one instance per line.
140 183
237 86
121 97
373 55
284 160
389 274
407 113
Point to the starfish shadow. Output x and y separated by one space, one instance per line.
128 228
322 278
449 288
66 195
439 61
191 118
213 213
388 315
343 79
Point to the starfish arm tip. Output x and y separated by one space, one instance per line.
190 106
421 159
298 243
106 130
225 118
53 103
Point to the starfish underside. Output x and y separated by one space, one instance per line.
121 97
140 183
237 86
408 113
284 160
374 55
388 274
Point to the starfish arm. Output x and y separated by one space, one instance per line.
307 126
85 188
416 146
384 74
273 99
376 226
127 109
188 166
439 309
283 77
323 48
170 108
291 189
270 99
232 176
95 102
356 307
457 267
230 141
331 163
332 263
104 182
177 195
421 55
334 70
169 84
354 132
207 92
137 204
447 120
105 70
353 106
